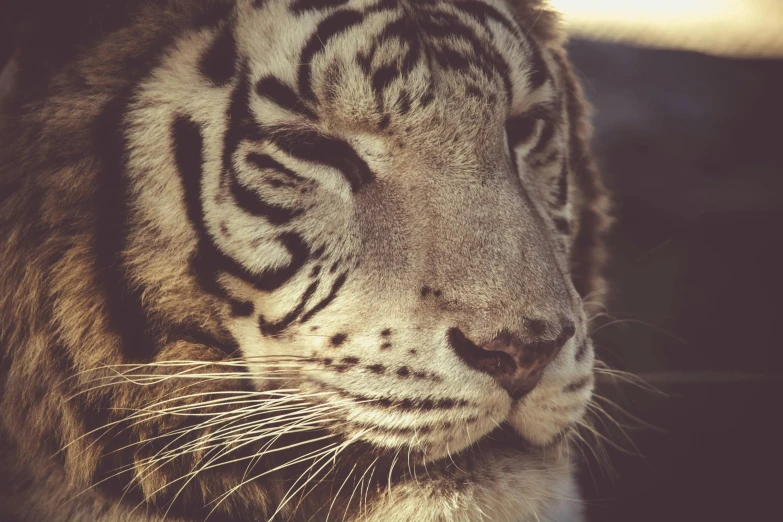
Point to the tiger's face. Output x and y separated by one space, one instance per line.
376 205
384 201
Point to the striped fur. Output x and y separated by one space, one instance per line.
236 234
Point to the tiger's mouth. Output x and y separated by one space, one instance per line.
503 438
504 441
502 448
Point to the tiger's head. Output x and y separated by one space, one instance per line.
352 233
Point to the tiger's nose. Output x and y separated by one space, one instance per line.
515 364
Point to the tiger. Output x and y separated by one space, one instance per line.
300 260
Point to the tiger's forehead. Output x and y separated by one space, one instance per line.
387 64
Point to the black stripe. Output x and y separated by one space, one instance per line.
188 154
449 59
254 204
139 332
581 352
126 312
311 146
276 91
552 157
266 162
323 303
300 6
537 74
218 64
275 278
547 111
241 124
482 12
405 404
209 260
196 335
271 329
579 385
412 57
578 156
485 58
383 5
383 77
437 24
561 196
520 129
404 29
242 308
563 226
428 98
404 102
335 24
547 133
591 224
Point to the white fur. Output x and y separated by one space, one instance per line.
382 292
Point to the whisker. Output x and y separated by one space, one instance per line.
623 411
233 394
337 495
361 482
302 458
640 323
704 377
391 470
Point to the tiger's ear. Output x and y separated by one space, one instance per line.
538 20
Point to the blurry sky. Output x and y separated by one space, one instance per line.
731 27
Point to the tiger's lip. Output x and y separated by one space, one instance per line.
504 437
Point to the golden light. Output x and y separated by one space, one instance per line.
734 27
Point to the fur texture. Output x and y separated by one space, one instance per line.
255 253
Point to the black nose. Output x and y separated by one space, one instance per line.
516 365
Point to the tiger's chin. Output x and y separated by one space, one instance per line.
539 438
504 440
503 477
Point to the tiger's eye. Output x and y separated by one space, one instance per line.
520 129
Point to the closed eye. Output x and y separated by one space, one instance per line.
314 147
521 129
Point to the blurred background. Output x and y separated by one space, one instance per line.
688 98
689 133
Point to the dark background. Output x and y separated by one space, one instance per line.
692 147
